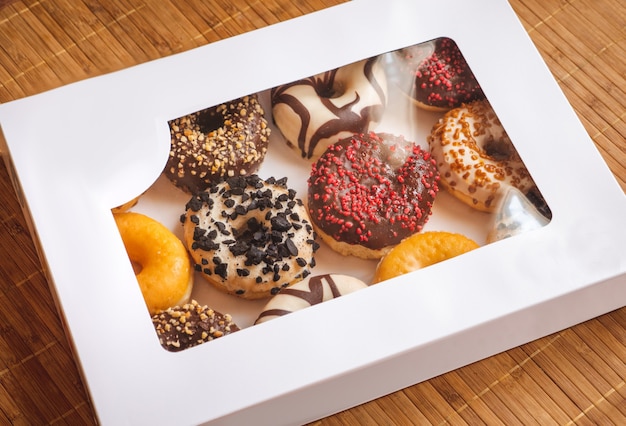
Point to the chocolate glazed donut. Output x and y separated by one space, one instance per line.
440 78
368 192
317 111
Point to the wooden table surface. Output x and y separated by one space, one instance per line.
575 376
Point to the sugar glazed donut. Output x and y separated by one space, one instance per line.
161 262
308 292
126 206
249 237
368 192
213 144
182 327
422 250
314 112
475 156
439 77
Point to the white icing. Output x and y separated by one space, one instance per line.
462 143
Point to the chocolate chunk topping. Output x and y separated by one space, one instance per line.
265 242
222 270
280 224
291 246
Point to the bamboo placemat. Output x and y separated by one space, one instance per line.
575 376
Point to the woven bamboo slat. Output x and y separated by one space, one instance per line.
575 376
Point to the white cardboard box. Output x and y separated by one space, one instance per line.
79 150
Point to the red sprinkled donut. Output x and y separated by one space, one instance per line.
368 192
441 79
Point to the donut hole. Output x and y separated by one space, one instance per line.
137 267
498 149
330 89
252 240
209 121
252 232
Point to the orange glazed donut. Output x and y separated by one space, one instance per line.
476 159
422 250
126 206
161 262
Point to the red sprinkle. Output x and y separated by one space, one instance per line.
381 183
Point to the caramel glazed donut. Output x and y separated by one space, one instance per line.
476 158
249 237
369 192
314 112
213 144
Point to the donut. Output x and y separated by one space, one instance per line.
160 260
475 156
515 214
249 237
421 250
308 292
314 112
182 327
368 192
126 206
213 144
436 75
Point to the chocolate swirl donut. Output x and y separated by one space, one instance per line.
309 292
314 112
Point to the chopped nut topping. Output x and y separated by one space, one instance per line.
197 319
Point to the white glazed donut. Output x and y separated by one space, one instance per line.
315 112
476 159
308 292
249 237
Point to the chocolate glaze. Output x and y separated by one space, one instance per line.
372 189
346 120
442 79
315 294
201 324
216 143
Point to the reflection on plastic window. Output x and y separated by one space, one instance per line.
385 166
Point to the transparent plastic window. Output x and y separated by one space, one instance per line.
319 187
